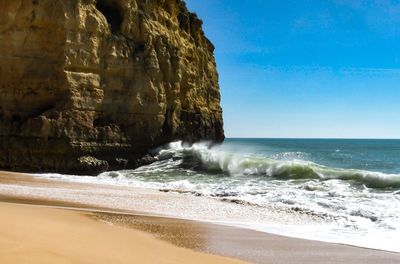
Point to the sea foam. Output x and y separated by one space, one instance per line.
214 159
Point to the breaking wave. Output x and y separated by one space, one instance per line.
215 159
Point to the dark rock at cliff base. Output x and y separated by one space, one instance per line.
91 85
90 165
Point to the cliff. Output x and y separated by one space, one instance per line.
88 86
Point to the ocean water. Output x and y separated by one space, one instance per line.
351 186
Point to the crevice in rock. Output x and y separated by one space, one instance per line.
112 13
100 122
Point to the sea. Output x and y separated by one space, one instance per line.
349 188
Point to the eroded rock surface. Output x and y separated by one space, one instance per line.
90 85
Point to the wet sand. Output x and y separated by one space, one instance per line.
31 234
248 245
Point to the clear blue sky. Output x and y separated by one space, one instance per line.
306 68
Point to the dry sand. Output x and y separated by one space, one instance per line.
31 234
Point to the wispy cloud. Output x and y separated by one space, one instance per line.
381 16
322 20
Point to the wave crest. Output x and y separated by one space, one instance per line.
217 160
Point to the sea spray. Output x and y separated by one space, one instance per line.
215 159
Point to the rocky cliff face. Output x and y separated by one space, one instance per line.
91 85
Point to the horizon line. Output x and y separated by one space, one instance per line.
360 138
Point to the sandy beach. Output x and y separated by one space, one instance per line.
32 234
69 227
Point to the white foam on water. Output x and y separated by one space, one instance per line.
346 206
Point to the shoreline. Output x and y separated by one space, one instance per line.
224 240
182 205
66 236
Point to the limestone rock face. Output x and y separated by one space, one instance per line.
90 85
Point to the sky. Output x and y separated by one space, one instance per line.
306 68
